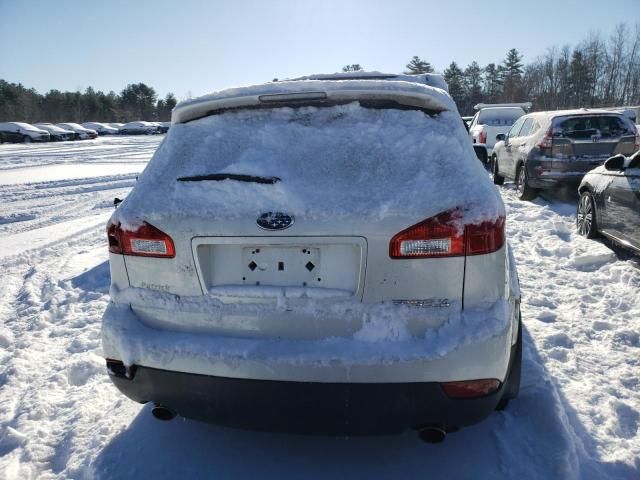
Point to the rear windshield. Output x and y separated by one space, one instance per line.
333 161
500 117
587 126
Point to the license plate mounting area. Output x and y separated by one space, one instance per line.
281 265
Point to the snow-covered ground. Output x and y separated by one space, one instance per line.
578 415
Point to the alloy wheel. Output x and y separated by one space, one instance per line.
585 215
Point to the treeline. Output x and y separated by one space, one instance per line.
597 72
136 102
594 73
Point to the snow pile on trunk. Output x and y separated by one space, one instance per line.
336 162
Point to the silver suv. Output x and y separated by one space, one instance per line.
546 149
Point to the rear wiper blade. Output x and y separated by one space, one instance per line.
230 176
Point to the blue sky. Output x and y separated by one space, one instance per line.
197 46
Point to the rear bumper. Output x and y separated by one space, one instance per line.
541 176
304 407
554 181
474 346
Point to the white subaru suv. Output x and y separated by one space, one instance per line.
317 255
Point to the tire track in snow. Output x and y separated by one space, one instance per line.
52 401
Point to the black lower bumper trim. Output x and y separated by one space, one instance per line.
304 407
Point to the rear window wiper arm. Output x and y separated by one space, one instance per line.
230 176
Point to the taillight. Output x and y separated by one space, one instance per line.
145 241
486 237
445 236
547 142
482 138
471 388
439 236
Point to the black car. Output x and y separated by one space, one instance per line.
610 202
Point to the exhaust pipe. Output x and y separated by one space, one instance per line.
162 413
432 433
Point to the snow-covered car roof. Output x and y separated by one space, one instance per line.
140 123
411 93
51 128
526 106
26 126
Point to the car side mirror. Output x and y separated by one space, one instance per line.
615 164
501 137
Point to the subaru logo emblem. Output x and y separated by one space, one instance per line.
274 221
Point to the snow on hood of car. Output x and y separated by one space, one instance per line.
344 161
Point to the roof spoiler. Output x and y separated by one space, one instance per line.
300 93
526 106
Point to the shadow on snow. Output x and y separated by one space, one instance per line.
538 436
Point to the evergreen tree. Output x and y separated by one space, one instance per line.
164 107
512 76
417 65
138 101
492 83
579 79
355 67
454 77
473 86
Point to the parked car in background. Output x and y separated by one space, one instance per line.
81 133
549 149
139 128
491 120
285 286
20 132
116 125
162 128
56 133
609 202
101 128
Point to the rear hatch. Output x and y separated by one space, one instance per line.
282 218
589 140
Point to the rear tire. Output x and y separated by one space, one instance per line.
497 178
26 139
586 222
525 192
512 387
